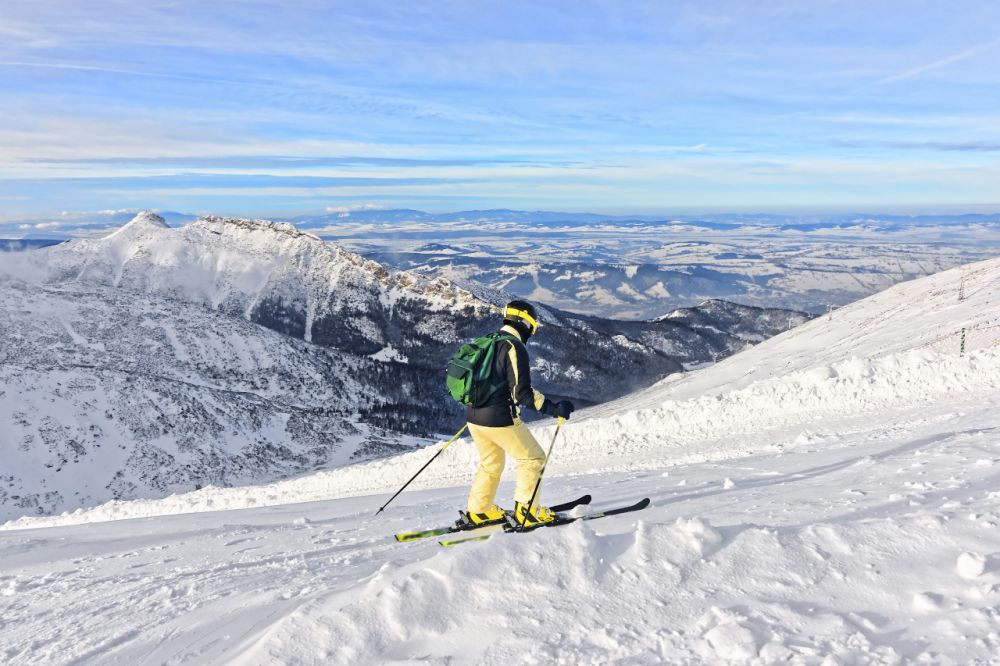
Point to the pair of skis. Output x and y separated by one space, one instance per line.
424 534
508 527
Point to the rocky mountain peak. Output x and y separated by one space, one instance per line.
147 218
230 223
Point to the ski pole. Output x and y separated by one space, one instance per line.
440 451
541 472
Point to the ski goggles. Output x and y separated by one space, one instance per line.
521 314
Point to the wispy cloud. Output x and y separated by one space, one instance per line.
355 207
959 146
924 119
207 180
942 62
115 70
289 161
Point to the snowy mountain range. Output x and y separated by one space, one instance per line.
724 221
286 280
234 351
639 267
631 267
827 496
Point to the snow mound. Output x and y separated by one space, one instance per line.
741 594
971 565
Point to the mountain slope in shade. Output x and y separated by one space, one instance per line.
108 396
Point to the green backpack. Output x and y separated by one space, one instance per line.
469 370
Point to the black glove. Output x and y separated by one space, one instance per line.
562 409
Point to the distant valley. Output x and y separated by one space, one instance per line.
641 268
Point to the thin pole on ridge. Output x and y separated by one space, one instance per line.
433 458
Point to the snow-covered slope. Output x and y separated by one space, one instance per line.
269 272
836 510
103 395
924 315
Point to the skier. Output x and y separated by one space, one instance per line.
496 427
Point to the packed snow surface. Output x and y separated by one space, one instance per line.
830 496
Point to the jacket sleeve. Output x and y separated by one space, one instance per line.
519 378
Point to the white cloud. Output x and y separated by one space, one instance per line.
956 57
355 207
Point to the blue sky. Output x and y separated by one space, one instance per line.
273 108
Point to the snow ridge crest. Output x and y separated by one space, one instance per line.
147 218
283 228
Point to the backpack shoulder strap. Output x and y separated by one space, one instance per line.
493 338
505 337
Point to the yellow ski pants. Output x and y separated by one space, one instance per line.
492 444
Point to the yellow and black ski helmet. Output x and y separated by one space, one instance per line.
521 315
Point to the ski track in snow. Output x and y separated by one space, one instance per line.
831 496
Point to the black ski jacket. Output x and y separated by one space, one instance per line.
511 362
